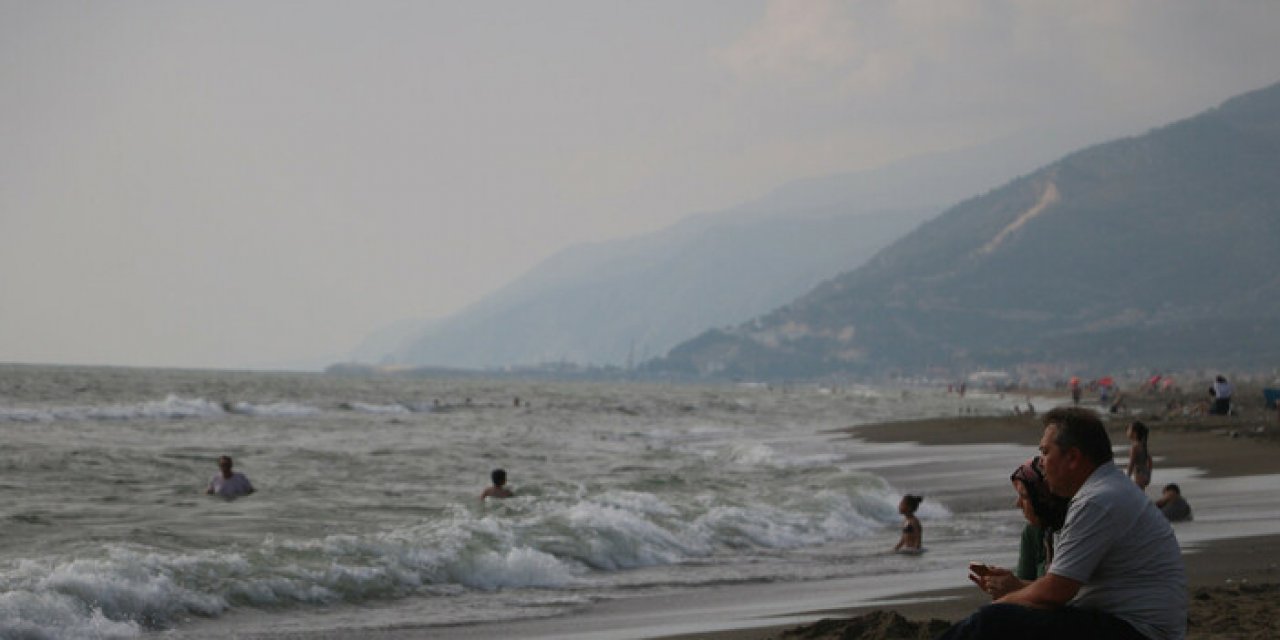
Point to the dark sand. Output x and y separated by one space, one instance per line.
1235 583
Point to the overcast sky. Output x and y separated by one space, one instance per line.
240 184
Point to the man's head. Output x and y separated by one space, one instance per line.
1173 488
499 477
224 465
1074 444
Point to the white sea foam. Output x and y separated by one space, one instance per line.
619 487
366 407
274 409
173 407
548 544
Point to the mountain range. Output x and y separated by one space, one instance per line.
1154 251
621 302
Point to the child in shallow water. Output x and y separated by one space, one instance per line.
1139 467
912 533
499 488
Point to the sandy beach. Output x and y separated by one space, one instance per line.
1235 581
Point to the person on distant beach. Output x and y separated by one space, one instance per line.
1139 467
1045 514
1221 392
912 539
1117 570
1075 390
1173 505
227 483
499 488
1118 405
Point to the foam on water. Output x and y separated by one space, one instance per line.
273 409
366 407
171 408
368 495
552 542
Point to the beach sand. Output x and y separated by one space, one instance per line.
1235 582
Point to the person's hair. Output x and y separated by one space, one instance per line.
499 477
1141 430
1221 379
1050 509
1080 428
226 459
1174 488
913 502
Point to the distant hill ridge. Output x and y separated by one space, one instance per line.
620 302
1151 251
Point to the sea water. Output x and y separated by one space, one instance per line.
367 512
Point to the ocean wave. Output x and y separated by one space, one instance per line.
545 542
272 410
366 407
172 407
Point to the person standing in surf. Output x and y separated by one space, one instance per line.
912 540
227 483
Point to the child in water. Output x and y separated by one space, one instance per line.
1139 456
499 488
912 533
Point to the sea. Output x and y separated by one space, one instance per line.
368 517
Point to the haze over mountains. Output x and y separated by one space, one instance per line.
1161 250
621 302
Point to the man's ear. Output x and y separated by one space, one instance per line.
1073 456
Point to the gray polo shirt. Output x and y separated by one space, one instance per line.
1118 544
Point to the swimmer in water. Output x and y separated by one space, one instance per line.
912 533
499 488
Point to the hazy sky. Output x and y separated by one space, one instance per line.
233 184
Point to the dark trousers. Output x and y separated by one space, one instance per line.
1066 623
1221 407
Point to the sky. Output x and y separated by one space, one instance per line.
250 184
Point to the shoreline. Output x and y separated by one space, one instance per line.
1216 570
1233 484
1234 580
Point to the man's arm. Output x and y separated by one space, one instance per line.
1050 592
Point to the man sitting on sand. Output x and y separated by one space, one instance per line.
499 488
228 483
1117 571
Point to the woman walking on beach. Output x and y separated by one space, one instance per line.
912 539
1139 457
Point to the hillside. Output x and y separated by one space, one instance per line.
1153 251
624 301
